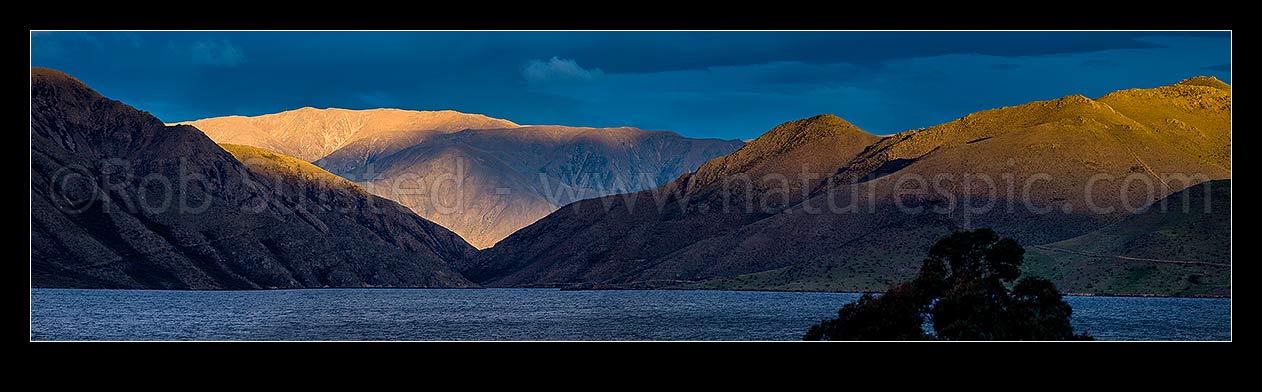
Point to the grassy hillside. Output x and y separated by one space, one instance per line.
1166 252
1178 246
1110 276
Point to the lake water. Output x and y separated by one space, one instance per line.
529 314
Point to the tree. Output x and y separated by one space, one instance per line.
962 287
896 315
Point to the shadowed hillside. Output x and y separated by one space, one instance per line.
120 200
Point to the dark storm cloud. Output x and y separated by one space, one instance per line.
627 52
714 84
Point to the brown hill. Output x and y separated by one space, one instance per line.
120 200
1193 115
867 225
782 162
310 134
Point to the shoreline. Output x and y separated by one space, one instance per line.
560 288
1203 296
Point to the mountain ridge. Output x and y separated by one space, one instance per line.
1072 137
309 133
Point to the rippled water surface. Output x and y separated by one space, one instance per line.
529 314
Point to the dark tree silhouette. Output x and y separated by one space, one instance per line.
895 315
962 287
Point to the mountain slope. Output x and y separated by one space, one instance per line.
310 134
1063 157
1022 170
120 200
597 240
813 143
357 160
486 184
1180 245
1194 115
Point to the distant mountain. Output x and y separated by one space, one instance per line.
310 134
486 184
872 205
509 176
120 200
1180 245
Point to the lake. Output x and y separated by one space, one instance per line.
529 314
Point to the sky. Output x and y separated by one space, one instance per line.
728 85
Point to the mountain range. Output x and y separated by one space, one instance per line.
121 200
481 177
397 198
819 204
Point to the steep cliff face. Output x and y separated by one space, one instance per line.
120 200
